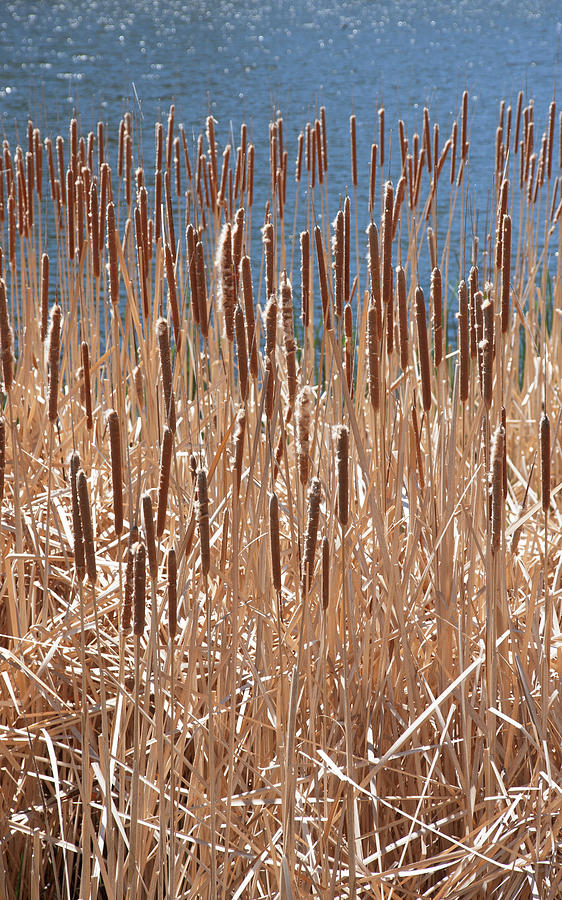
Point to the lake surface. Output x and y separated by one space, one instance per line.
244 60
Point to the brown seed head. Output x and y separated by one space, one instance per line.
116 471
87 528
544 440
227 291
53 362
303 418
274 546
172 593
6 340
79 561
203 521
310 535
423 349
342 463
164 480
166 367
148 522
139 598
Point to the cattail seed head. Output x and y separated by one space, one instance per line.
402 316
267 233
6 340
269 386
201 289
129 580
311 533
270 327
274 546
436 305
79 561
544 440
487 349
338 249
342 463
305 276
506 271
44 295
373 348
85 354
53 362
139 597
374 273
289 338
423 349
164 480
240 329
87 528
172 593
116 471
238 440
463 340
148 522
322 277
227 291
387 265
166 367
252 336
112 252
203 521
303 418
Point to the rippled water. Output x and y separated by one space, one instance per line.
242 60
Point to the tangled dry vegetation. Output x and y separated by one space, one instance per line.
281 574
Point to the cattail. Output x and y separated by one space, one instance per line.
496 488
432 247
373 350
298 166
305 276
381 135
544 440
463 340
129 579
274 542
387 266
400 191
346 248
436 304
139 596
322 277
303 417
374 272
402 316
166 367
464 125
473 288
267 233
353 137
506 266
502 208
423 349
325 573
227 291
148 521
164 480
203 521
372 178
79 561
348 331
172 593
269 385
94 229
453 151
289 338
238 440
201 289
324 138
551 119
271 326
112 251
191 262
252 337
173 293
338 248
85 353
487 351
87 528
237 239
240 328
310 535
53 362
7 340
116 471
342 463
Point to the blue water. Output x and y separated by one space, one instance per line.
244 60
